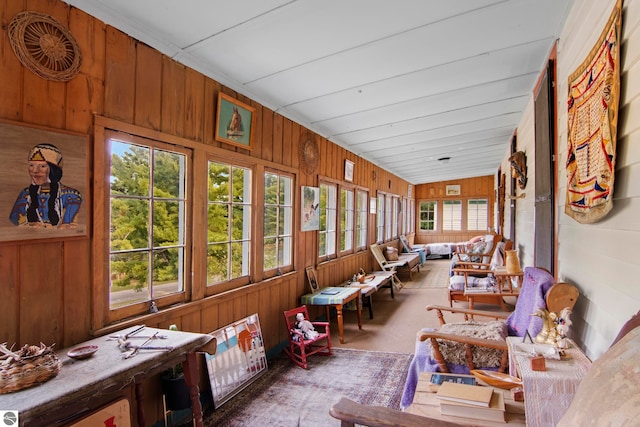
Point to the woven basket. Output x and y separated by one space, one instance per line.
29 372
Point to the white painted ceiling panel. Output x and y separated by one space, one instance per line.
400 83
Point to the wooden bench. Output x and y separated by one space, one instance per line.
406 263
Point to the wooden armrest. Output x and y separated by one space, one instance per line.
480 342
468 265
498 315
352 413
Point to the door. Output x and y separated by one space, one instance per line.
544 172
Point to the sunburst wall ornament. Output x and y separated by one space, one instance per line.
44 46
308 154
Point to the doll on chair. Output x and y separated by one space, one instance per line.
306 327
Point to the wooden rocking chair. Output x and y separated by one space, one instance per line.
299 347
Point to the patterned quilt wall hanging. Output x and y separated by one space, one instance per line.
594 92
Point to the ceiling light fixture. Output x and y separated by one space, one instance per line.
444 160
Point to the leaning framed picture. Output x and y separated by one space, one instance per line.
45 183
313 280
235 122
240 358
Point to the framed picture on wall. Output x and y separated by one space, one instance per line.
235 122
453 190
348 170
45 183
310 210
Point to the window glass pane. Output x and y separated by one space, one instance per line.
129 224
218 223
269 254
346 219
168 174
130 171
270 188
167 271
166 224
270 218
218 182
217 262
380 218
362 216
129 278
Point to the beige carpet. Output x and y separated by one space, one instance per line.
433 274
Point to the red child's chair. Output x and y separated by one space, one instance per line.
299 347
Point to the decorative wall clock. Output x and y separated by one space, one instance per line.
44 46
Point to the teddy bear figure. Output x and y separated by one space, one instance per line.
306 327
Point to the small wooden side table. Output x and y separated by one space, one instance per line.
548 394
507 282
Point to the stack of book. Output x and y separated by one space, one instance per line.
471 401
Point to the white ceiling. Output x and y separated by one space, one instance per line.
400 83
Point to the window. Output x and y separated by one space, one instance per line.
395 216
477 214
380 216
328 221
451 215
278 221
428 216
362 209
387 217
147 223
229 222
412 216
347 212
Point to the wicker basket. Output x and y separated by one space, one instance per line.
29 372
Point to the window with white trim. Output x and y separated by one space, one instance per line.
147 224
328 221
228 222
347 214
362 216
428 215
380 218
278 221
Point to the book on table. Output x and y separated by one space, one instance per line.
465 393
494 412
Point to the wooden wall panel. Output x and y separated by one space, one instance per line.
277 139
119 87
148 87
173 104
77 286
41 291
10 290
265 150
10 68
195 106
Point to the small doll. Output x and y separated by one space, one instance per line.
305 327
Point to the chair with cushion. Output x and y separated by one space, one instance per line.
461 347
300 345
473 268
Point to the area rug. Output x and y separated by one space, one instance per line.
433 274
287 395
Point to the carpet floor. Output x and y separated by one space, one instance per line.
287 395
433 274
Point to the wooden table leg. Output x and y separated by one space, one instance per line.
340 325
140 403
190 366
359 308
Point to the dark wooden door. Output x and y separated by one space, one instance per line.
544 175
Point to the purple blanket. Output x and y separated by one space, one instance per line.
535 285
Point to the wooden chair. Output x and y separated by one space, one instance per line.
538 291
299 348
387 265
464 268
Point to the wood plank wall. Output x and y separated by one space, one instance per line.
482 187
47 285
